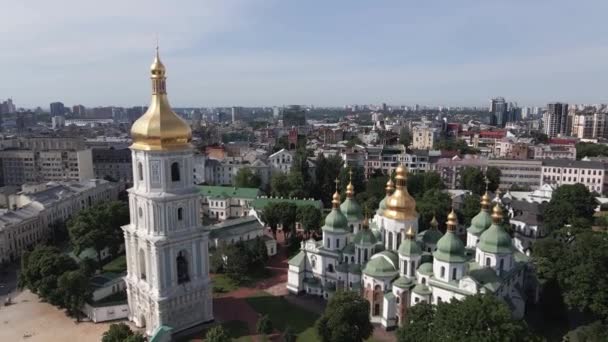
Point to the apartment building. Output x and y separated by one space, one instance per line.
590 125
424 137
31 211
450 168
523 173
558 172
34 166
114 164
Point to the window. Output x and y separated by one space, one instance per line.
487 261
182 268
328 243
365 255
502 264
142 264
442 271
416 300
337 243
330 268
180 214
175 172
140 171
412 268
423 280
453 273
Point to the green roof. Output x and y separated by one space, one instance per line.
261 202
480 222
228 191
298 259
426 268
100 280
160 334
495 240
421 289
486 277
382 206
409 247
403 282
364 237
351 209
335 221
235 227
383 264
349 249
431 236
450 248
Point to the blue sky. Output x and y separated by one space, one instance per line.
275 52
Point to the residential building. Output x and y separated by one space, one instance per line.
224 202
498 112
523 173
57 108
450 168
590 125
558 172
555 120
114 164
281 161
58 122
33 210
244 229
553 151
424 137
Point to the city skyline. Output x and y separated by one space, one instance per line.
273 53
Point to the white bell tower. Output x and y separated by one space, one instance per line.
166 246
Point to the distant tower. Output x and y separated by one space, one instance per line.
167 248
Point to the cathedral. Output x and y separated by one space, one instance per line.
168 283
394 266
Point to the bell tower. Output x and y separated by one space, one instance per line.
166 245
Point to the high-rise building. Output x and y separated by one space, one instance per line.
236 113
525 112
498 110
167 248
589 125
79 111
294 116
555 120
57 108
276 112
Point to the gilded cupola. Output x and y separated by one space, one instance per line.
160 129
401 205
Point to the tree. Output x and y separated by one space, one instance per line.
289 335
472 179
121 332
433 203
405 136
41 269
475 318
493 176
288 216
59 233
259 253
271 215
569 202
245 178
264 325
74 289
237 263
99 227
590 150
470 207
594 332
327 170
310 218
279 185
217 334
419 183
358 178
346 318
296 185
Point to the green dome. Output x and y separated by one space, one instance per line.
426 268
495 240
409 247
431 236
422 290
383 264
403 283
351 209
335 221
480 223
364 237
449 248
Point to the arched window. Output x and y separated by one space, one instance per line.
175 172
182 268
330 268
365 255
502 264
390 240
487 261
412 268
337 243
180 214
328 240
442 271
423 280
142 264
140 171
453 273
398 239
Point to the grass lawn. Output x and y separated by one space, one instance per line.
222 284
118 265
283 314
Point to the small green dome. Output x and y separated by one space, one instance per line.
403 283
449 248
495 240
422 290
431 236
480 222
383 264
426 268
409 247
364 237
335 221
351 209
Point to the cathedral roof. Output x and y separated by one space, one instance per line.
426 268
421 289
450 248
495 239
482 220
432 235
365 237
403 282
335 221
409 246
383 264
351 209
401 205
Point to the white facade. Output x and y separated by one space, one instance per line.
281 161
560 172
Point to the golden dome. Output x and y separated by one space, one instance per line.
160 129
390 186
350 190
452 220
485 201
410 233
497 214
434 222
401 205
335 201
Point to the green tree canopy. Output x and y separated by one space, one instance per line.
358 178
475 318
493 176
405 136
419 183
217 334
471 178
288 216
310 217
41 269
73 287
296 185
471 207
569 203
279 185
289 335
245 178
264 325
433 203
237 261
326 171
594 332
121 332
346 318
271 215
584 149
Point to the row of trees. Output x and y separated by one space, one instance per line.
121 333
240 260
287 214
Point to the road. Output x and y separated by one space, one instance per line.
8 282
